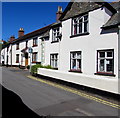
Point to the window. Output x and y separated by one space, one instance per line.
75 58
26 44
105 62
35 42
34 57
56 33
17 46
17 58
54 60
80 25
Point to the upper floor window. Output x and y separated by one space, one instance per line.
105 62
35 42
55 34
75 61
17 46
26 44
54 60
80 25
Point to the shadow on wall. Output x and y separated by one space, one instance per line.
13 107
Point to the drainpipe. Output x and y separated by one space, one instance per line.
119 51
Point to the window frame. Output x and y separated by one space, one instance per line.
75 70
105 72
78 27
34 53
55 38
35 42
17 58
26 44
17 46
54 60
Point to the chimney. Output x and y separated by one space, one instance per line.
21 32
12 38
59 13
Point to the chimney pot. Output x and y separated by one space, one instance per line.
12 38
59 13
21 32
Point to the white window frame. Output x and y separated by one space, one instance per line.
106 58
54 59
78 22
76 58
55 34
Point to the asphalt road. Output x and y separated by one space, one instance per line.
48 100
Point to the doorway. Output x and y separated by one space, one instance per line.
26 59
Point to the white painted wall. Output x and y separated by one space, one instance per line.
88 44
109 84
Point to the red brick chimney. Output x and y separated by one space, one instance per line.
21 32
59 13
12 38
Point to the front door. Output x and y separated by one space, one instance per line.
26 59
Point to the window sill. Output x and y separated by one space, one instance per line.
105 74
76 71
76 35
34 45
54 41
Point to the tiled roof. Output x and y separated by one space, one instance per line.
76 8
41 32
115 19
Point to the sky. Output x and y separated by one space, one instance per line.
28 15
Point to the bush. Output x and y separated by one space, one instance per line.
35 67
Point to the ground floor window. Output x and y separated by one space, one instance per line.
34 57
75 61
17 58
54 60
105 61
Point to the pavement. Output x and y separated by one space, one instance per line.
50 99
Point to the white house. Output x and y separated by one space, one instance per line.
82 46
87 53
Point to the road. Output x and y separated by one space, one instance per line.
45 99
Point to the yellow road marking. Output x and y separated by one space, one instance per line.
76 92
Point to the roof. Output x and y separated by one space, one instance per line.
41 31
114 21
76 8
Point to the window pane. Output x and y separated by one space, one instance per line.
74 64
55 63
80 28
109 65
78 64
102 68
102 54
109 54
85 26
78 55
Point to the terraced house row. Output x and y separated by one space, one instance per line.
82 46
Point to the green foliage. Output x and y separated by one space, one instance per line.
35 67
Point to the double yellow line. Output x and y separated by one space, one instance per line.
76 92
